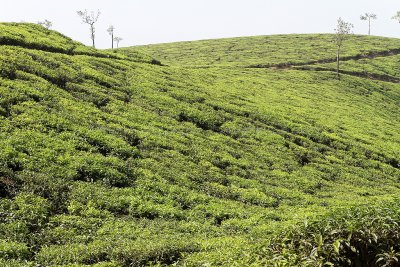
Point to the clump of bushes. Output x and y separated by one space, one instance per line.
13 250
358 237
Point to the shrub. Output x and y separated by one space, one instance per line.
164 251
361 236
31 209
14 250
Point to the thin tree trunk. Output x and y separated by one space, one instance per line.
338 62
92 32
369 27
112 40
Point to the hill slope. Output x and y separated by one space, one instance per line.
108 159
274 50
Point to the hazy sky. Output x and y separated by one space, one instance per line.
158 21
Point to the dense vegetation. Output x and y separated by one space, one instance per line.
267 51
249 156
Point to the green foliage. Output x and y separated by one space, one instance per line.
34 36
360 236
112 159
275 50
13 250
26 210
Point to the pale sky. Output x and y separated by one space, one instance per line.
160 21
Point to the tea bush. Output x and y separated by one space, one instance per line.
214 157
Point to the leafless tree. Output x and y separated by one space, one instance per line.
111 32
117 40
90 18
368 17
397 16
343 29
46 23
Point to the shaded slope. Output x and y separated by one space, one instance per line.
128 163
379 68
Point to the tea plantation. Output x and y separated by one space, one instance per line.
232 152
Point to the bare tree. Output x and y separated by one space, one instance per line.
368 17
46 23
117 40
343 29
111 32
90 18
397 16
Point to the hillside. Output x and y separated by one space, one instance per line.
267 51
111 159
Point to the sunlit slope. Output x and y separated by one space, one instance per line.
108 159
275 50
36 37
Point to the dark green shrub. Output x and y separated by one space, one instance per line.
164 251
